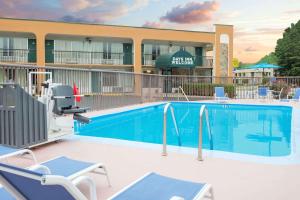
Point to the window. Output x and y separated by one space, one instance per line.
10 74
8 46
155 51
107 50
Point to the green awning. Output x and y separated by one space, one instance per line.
179 59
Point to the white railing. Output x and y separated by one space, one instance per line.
203 110
182 91
166 108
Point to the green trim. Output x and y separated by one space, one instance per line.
199 56
31 50
179 59
127 56
49 47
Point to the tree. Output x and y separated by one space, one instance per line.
270 59
235 62
288 51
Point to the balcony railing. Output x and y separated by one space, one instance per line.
85 57
201 61
17 55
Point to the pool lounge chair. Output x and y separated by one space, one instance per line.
295 97
69 168
220 94
263 92
56 166
154 186
6 152
23 184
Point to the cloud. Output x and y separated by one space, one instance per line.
250 49
75 5
292 11
269 31
95 11
70 18
12 3
244 33
138 4
191 13
152 24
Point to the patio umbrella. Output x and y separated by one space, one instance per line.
264 66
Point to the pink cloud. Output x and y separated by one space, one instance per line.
258 32
152 24
75 5
292 11
191 13
95 11
250 49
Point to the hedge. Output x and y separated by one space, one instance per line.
205 89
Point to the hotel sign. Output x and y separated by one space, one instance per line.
179 59
182 61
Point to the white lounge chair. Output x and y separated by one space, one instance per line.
154 186
6 152
220 94
69 168
55 166
23 184
262 92
295 97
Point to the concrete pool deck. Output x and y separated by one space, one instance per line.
231 179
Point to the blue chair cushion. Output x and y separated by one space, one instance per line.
297 94
219 92
7 150
31 188
66 167
263 91
4 195
155 186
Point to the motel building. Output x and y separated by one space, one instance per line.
117 48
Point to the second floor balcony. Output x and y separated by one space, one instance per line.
85 57
18 55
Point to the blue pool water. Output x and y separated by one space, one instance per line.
247 129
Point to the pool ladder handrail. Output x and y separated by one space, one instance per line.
166 108
182 91
203 110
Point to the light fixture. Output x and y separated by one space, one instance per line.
88 39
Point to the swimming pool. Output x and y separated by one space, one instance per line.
247 129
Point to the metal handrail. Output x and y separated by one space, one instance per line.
182 91
166 108
202 110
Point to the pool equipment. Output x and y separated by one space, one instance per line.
28 119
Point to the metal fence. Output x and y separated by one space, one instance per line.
107 89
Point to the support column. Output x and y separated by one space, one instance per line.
137 66
40 49
40 59
227 31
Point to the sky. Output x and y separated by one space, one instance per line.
258 24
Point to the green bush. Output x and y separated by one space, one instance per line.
207 89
